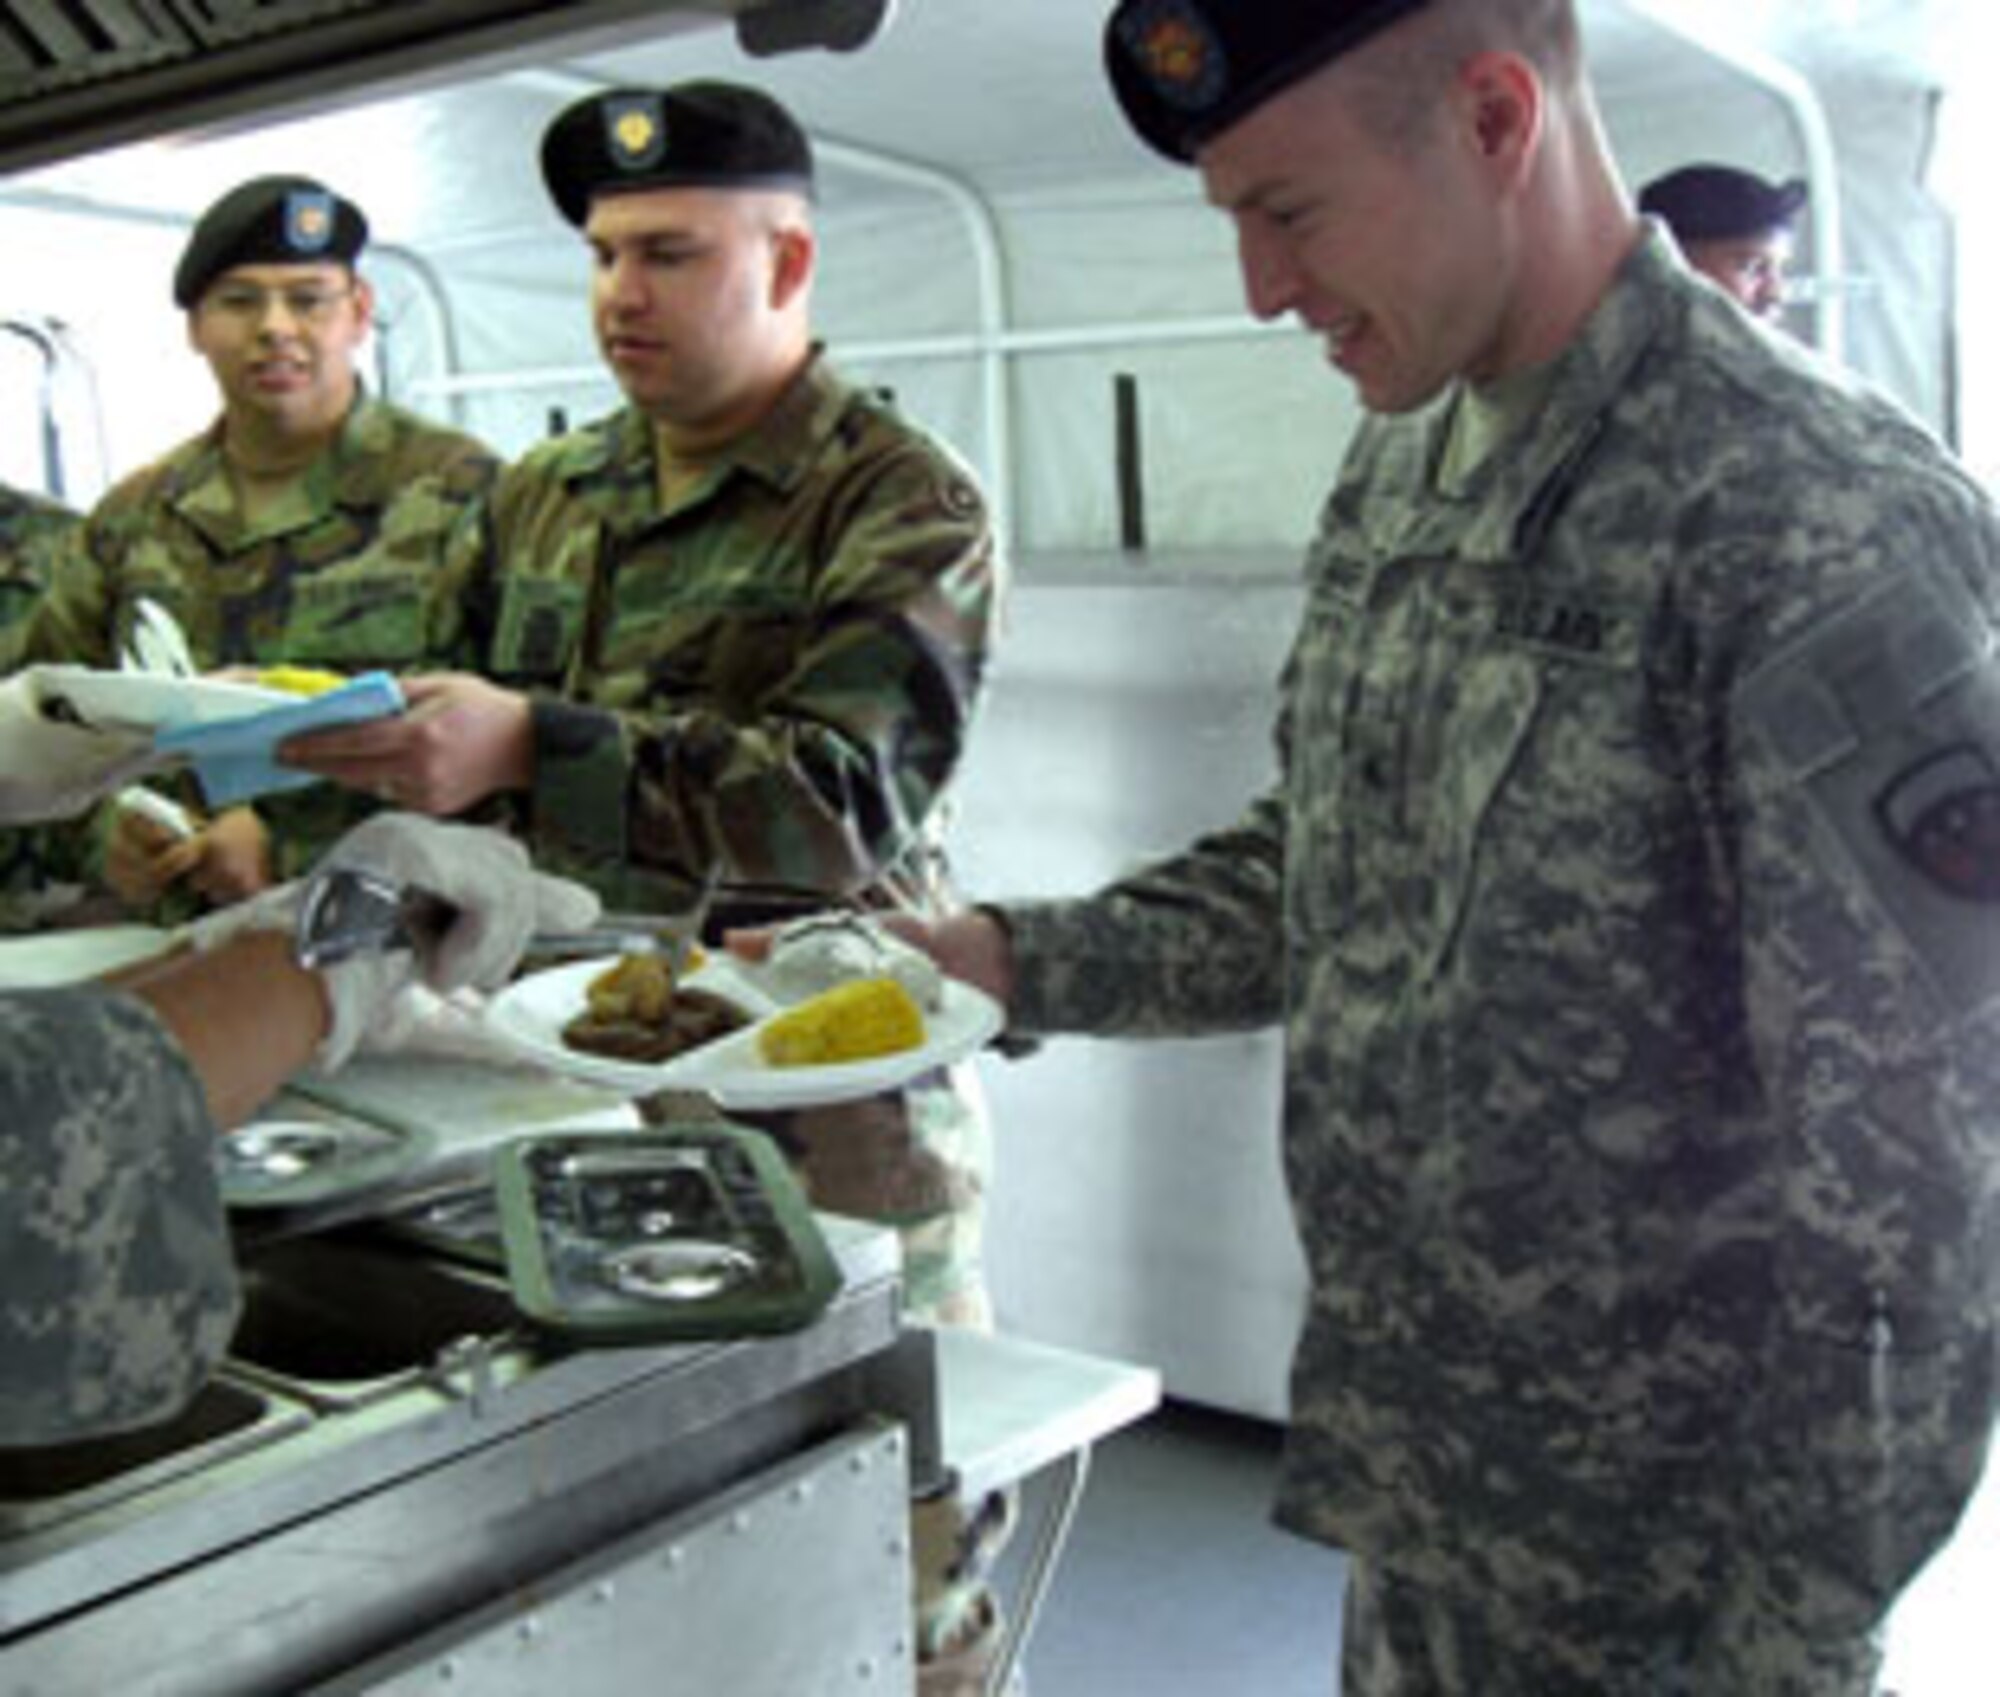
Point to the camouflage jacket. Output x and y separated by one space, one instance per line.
121 1293
39 867
773 675
29 529
1629 898
345 573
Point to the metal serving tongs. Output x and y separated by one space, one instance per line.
345 911
675 935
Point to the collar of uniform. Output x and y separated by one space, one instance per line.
362 451
1498 512
349 472
778 449
786 440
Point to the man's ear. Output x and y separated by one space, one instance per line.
364 304
793 251
1501 106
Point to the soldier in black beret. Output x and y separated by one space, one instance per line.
1640 995
725 173
275 305
1734 227
791 580
304 525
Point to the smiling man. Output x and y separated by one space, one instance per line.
306 525
1627 895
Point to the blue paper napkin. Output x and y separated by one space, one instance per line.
235 760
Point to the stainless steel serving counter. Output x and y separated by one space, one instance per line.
389 1448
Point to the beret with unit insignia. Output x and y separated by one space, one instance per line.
692 135
1185 70
269 221
1718 203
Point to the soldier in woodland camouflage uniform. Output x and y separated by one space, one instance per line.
306 526
1630 895
733 632
41 870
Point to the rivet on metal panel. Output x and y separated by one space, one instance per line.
447 1671
603 1591
898 1547
675 1555
530 1629
739 1522
801 1492
866 1670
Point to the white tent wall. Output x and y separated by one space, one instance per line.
1897 279
105 279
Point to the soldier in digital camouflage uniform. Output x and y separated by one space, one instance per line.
41 870
120 1293
120 1290
734 631
306 526
1630 896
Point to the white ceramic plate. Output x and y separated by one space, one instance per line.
531 1013
151 701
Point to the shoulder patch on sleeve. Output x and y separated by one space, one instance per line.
1884 718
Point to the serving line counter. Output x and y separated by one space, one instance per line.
396 1481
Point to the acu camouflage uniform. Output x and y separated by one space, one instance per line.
345 572
1630 895
771 676
41 870
121 1293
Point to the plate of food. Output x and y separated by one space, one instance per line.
825 1019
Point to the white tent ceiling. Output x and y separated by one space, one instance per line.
1004 94
1004 101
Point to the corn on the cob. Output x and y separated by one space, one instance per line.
299 680
851 1022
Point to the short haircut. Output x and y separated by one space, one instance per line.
1402 75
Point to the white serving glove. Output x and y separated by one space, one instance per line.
501 901
50 769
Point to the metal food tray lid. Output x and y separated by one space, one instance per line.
695 1231
305 1160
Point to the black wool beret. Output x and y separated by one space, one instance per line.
1718 203
1185 70
269 221
693 135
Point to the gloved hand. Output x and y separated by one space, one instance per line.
500 902
53 770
